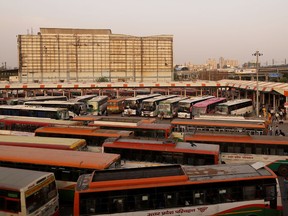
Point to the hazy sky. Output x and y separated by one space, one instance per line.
202 29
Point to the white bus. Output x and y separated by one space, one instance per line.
97 105
169 108
235 107
133 105
21 101
185 106
150 106
33 111
75 108
25 192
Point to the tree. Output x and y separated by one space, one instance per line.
102 79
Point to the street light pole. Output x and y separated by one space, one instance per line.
257 54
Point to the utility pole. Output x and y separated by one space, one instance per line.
257 54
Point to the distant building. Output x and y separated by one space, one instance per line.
60 54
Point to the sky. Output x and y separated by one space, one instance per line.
201 29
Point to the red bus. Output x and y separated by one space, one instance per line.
271 150
30 124
238 189
163 152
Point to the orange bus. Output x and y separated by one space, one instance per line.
163 152
30 124
271 150
94 136
238 189
66 165
116 105
228 126
44 142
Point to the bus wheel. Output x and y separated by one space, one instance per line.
283 170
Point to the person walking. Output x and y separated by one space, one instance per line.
276 130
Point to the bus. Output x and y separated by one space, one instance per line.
66 165
21 101
44 142
169 108
83 98
236 189
97 105
74 108
150 107
242 107
141 128
27 193
206 106
34 111
93 136
163 152
186 106
271 150
30 124
183 127
133 105
116 105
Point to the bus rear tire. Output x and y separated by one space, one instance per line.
283 170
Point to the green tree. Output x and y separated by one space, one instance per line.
102 79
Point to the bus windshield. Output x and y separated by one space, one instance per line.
149 106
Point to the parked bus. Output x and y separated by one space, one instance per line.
270 150
66 165
143 129
44 142
116 105
83 98
30 124
27 193
186 106
74 108
97 105
182 127
242 107
94 137
238 189
206 106
21 101
150 107
133 105
163 152
169 108
33 111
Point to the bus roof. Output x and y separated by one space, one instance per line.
166 146
54 102
196 99
83 97
159 98
33 120
170 175
84 131
142 97
173 100
41 142
228 138
233 102
117 99
206 103
98 98
52 157
218 123
12 178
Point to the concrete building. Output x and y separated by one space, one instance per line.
67 55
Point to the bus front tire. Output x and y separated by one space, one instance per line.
283 170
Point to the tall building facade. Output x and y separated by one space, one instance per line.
69 55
